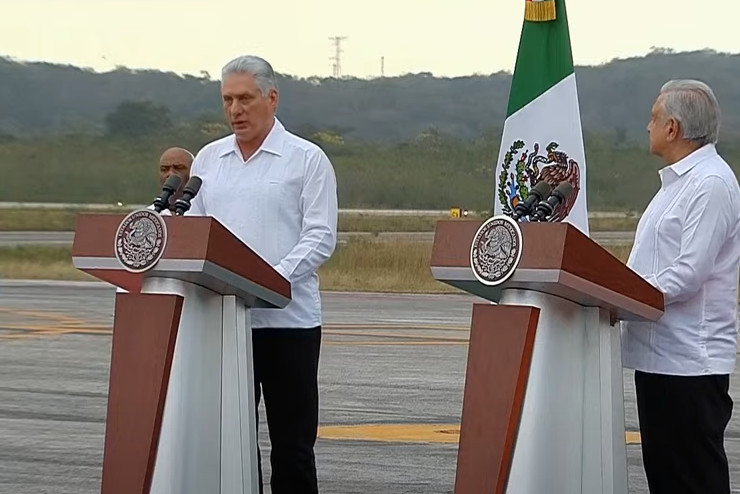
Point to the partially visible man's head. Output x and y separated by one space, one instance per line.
250 97
175 161
685 116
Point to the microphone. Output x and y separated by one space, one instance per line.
190 191
546 208
168 188
538 193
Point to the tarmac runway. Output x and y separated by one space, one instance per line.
391 381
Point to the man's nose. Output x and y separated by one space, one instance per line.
235 109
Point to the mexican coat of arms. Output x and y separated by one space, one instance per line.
496 250
140 240
553 166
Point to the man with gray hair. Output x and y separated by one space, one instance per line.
277 193
687 245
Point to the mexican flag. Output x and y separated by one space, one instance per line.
542 138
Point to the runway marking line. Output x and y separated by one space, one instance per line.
53 323
410 433
391 335
391 343
57 324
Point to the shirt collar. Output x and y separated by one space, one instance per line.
272 144
685 165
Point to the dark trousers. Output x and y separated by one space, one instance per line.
286 363
682 424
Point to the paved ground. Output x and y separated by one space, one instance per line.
395 361
11 239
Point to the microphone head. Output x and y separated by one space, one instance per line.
172 183
541 190
563 190
193 185
537 193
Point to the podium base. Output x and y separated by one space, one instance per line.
571 433
208 441
543 407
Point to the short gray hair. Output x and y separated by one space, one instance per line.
695 107
257 67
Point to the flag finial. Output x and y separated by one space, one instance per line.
539 10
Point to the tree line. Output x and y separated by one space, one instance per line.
38 99
414 141
433 170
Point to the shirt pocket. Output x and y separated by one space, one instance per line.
669 227
668 238
285 196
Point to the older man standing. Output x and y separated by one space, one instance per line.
687 245
277 193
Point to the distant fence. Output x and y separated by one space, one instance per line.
367 212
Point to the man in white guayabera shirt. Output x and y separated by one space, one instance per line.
277 193
687 245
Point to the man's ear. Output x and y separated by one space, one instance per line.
674 130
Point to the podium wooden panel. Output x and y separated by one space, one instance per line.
139 377
199 250
558 259
489 435
563 432
181 416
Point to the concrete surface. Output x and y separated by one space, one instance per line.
393 360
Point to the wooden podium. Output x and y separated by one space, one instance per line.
543 407
181 416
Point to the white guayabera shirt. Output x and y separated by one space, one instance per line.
687 245
282 203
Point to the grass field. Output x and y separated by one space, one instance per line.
37 220
359 265
39 262
64 220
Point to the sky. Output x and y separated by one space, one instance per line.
444 37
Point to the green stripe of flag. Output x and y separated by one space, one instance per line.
544 59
